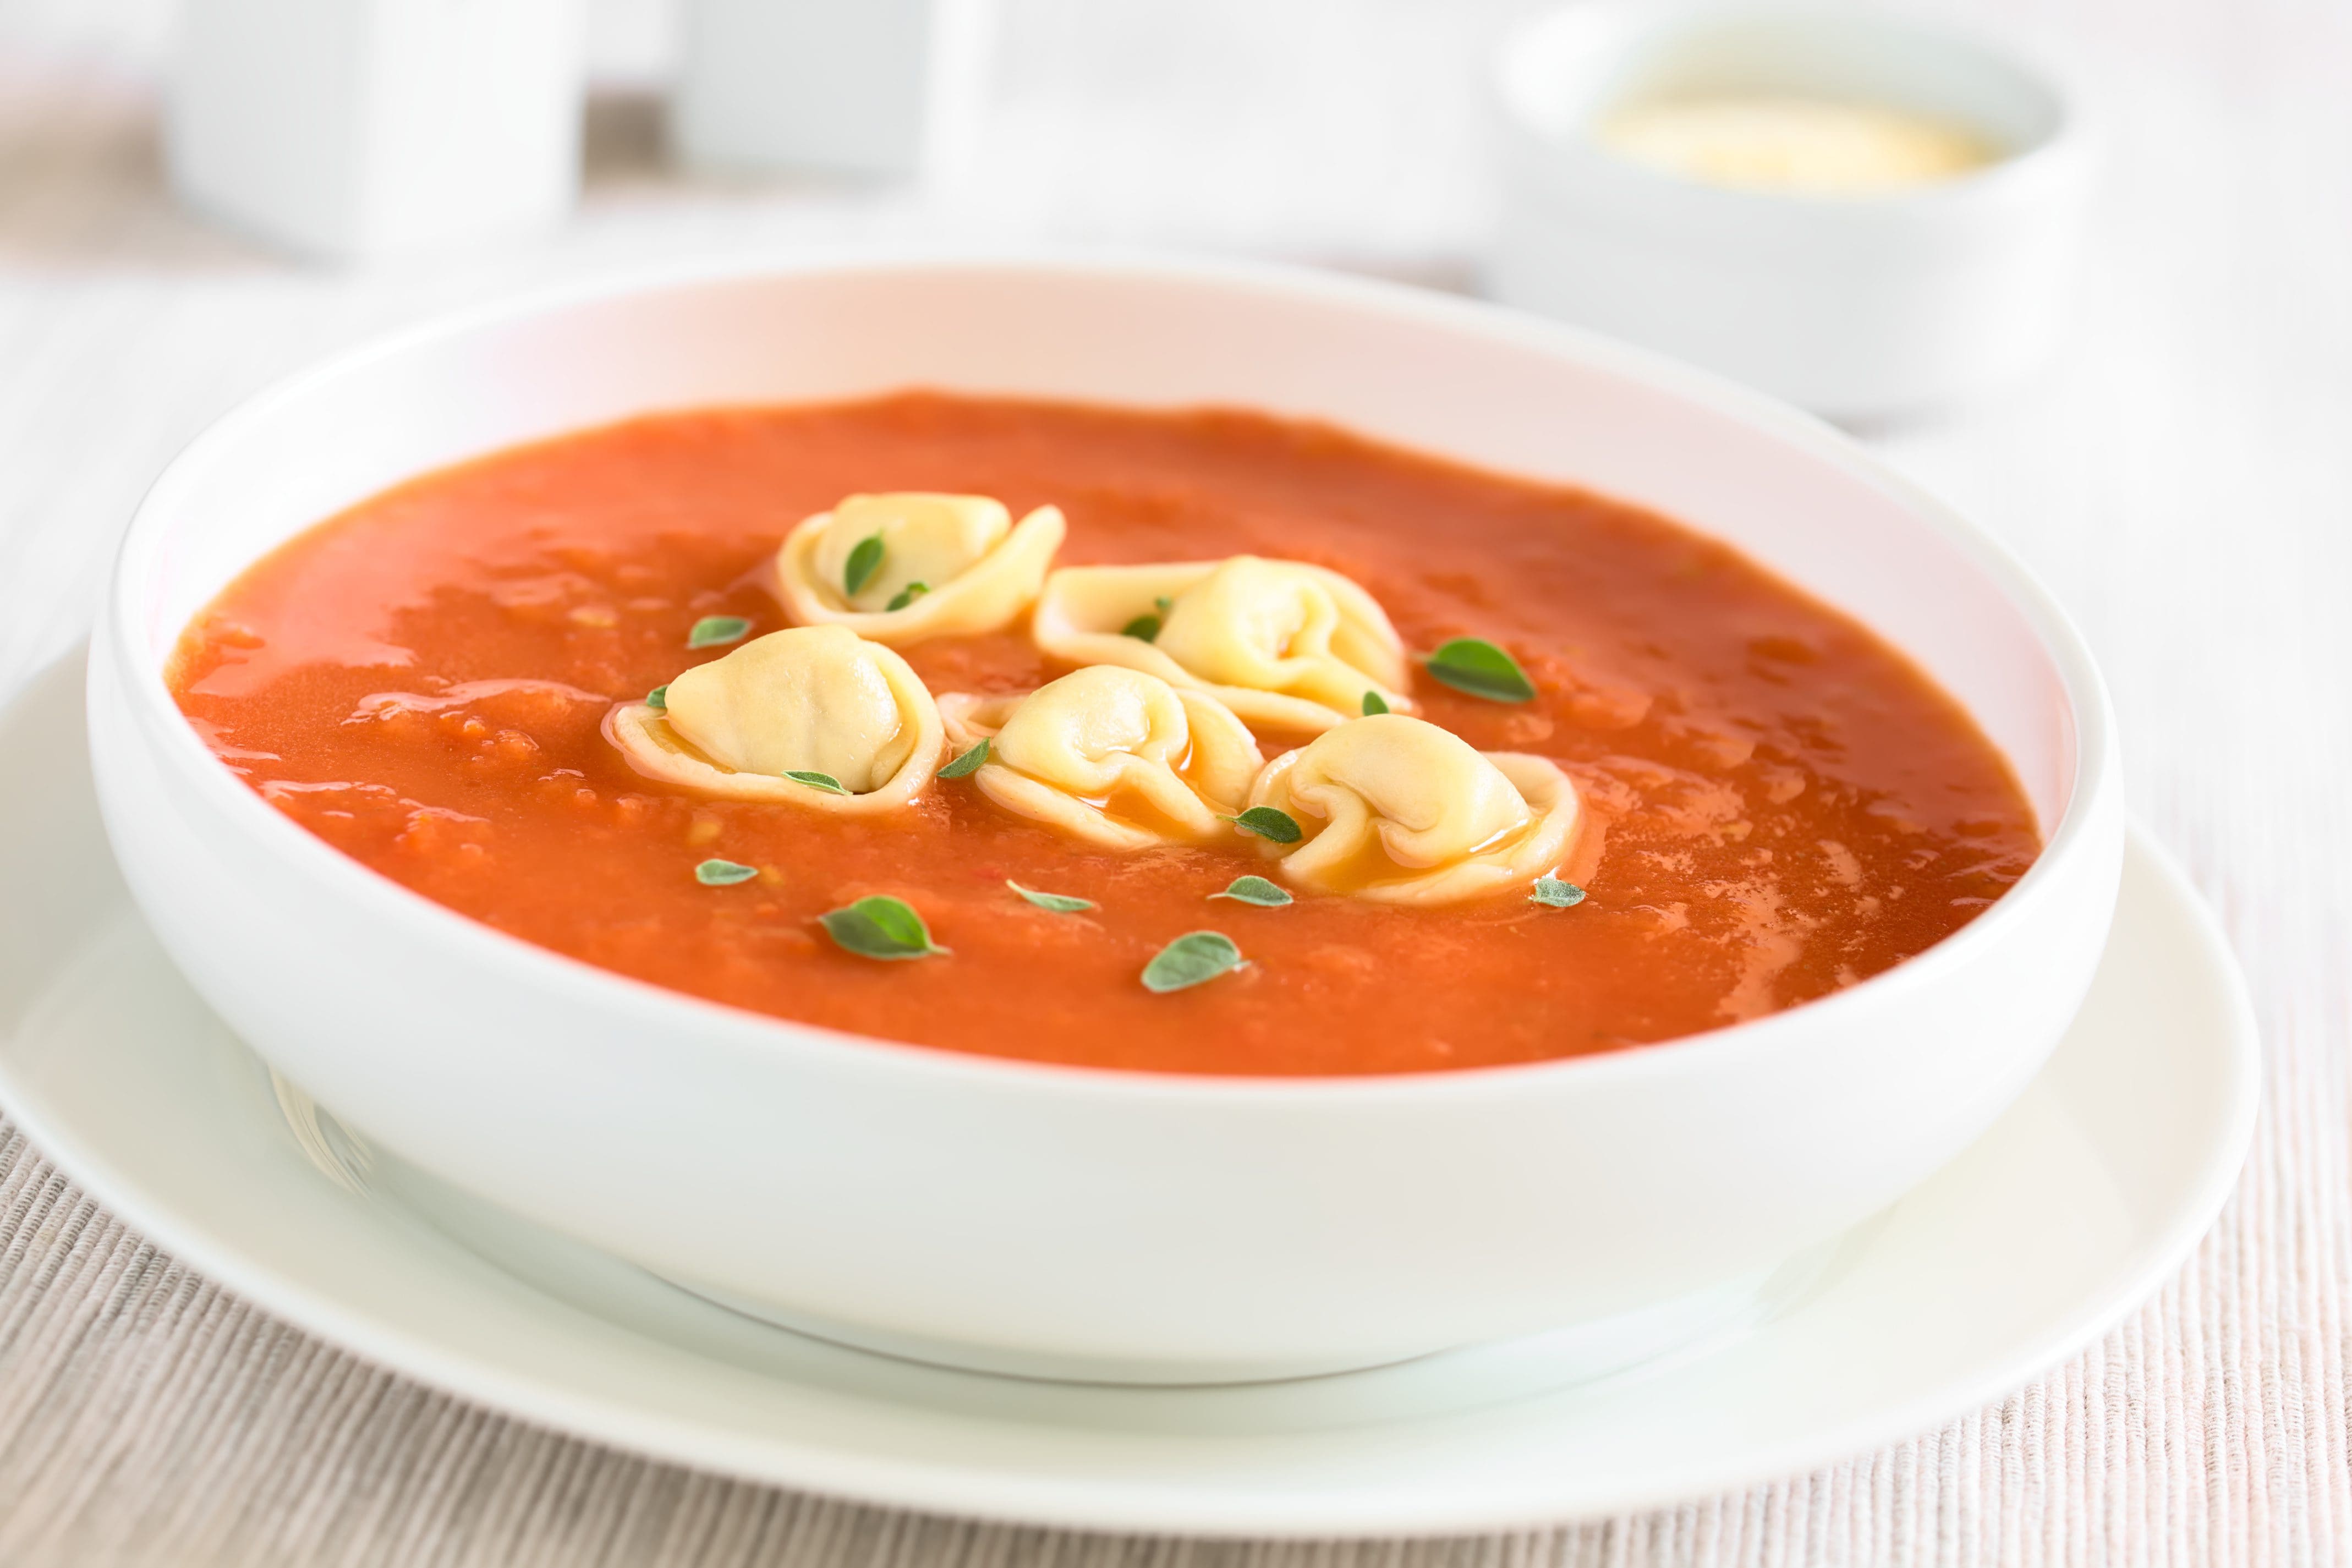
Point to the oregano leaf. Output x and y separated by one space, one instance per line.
880 927
1482 670
968 763
1255 890
1554 894
1190 958
717 631
1269 823
1060 903
864 560
817 781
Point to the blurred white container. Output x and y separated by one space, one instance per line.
887 88
351 128
1857 307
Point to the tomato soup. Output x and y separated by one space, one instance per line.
1776 803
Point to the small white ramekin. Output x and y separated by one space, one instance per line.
1858 308
1094 1223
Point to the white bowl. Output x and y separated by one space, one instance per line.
1856 307
1084 1223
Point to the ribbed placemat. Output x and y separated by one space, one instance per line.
149 1419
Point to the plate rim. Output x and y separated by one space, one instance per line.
1121 1504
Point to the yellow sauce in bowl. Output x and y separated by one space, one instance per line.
1792 143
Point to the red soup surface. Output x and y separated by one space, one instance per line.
1780 804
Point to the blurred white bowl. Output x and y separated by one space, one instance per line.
1035 1218
1857 307
356 129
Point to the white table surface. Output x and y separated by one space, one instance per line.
2183 478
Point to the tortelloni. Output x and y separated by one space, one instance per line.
922 566
1281 643
1112 757
849 716
1397 810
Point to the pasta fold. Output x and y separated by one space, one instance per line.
1396 810
955 565
809 700
1110 755
1283 644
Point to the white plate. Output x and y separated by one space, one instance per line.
2070 1211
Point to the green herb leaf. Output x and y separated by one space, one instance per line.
1163 604
717 631
864 561
880 927
908 595
658 698
723 873
1267 823
1146 627
1554 894
1255 890
1190 958
967 763
1482 670
824 782
1374 703
1060 903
